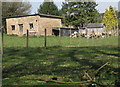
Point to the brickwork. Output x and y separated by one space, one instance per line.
39 24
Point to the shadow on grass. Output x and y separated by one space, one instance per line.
56 61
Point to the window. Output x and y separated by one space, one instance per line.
31 25
21 28
13 27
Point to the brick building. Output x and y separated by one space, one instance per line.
35 23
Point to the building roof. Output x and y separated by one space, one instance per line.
41 15
95 25
57 28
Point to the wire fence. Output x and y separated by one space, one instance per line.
58 61
64 41
50 41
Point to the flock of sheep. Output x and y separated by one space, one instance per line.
92 35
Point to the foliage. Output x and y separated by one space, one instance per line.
79 14
105 19
119 23
118 19
110 19
48 8
14 9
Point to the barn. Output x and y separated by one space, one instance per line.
35 23
95 27
64 31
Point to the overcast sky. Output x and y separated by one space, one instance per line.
102 4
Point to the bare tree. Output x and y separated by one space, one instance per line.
14 9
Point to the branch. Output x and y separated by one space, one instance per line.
99 69
62 82
88 76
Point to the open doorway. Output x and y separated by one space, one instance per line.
55 32
21 28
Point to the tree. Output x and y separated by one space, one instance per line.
79 14
119 20
113 18
48 8
14 9
110 19
106 19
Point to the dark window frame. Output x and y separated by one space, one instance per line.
31 25
13 27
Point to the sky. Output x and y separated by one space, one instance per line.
102 4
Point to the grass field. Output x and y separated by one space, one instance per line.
15 41
63 58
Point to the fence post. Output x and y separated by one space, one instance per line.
2 42
70 35
59 36
45 38
59 32
27 39
70 31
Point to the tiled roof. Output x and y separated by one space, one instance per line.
95 25
41 15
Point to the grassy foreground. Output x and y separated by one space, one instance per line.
61 59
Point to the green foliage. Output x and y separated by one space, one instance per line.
119 23
113 18
105 19
14 9
48 8
79 14
110 19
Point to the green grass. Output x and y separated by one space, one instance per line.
15 41
62 59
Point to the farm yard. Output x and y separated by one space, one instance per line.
65 59
63 44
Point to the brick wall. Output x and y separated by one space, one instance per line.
39 24
48 23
